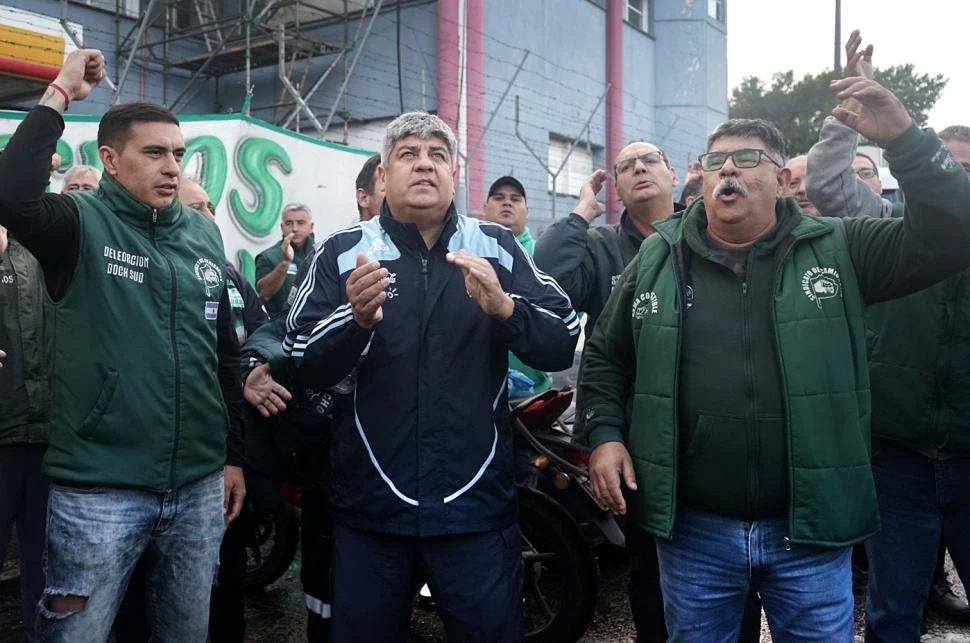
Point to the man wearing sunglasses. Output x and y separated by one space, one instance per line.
726 379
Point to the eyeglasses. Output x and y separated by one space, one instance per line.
647 158
865 173
742 158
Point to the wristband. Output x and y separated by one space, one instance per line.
67 100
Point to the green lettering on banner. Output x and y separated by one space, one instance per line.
89 155
253 157
215 164
67 155
247 266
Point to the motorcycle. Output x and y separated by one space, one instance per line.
559 519
272 540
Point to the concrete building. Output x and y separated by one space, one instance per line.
523 82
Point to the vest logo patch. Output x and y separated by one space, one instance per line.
821 283
211 309
210 275
645 303
689 296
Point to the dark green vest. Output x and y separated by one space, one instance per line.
24 393
919 362
820 344
267 261
135 393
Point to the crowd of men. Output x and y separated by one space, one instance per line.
775 372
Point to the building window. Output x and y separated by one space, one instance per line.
637 13
577 168
715 9
127 8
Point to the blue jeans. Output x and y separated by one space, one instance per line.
920 500
476 581
96 535
711 562
23 500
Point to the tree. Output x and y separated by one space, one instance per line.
799 107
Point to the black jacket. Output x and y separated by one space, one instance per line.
587 261
422 446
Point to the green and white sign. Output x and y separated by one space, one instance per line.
250 169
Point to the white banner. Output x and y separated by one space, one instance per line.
249 168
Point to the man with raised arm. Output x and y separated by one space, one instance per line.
144 367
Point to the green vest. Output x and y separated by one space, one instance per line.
136 401
266 262
24 393
919 362
819 338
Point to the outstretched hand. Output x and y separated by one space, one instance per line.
881 116
857 63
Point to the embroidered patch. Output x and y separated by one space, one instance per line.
645 303
210 275
211 309
821 283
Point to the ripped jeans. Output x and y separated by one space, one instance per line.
96 535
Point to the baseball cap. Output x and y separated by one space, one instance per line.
510 181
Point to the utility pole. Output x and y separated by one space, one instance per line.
838 39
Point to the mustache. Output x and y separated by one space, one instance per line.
729 185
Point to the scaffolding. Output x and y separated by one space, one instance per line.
214 40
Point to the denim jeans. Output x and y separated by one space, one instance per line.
920 501
711 562
96 535
23 500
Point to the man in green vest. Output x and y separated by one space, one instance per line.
143 363
727 380
276 266
24 419
506 204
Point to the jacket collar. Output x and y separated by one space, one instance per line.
128 207
407 234
527 240
691 223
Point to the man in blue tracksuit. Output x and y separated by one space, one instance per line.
413 313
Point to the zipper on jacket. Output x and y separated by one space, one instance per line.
681 272
422 403
751 483
175 354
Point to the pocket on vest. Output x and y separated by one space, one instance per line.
100 405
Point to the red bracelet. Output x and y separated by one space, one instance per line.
67 101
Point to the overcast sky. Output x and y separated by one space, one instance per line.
765 36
